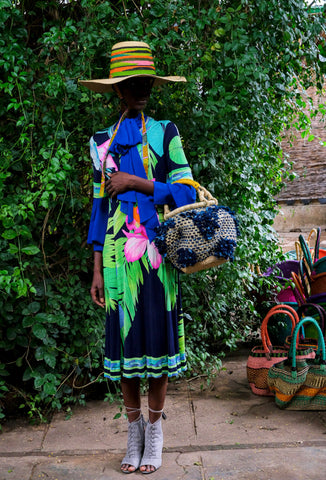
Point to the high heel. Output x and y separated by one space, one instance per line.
135 444
153 444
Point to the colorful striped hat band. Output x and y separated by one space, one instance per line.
128 60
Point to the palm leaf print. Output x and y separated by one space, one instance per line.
168 276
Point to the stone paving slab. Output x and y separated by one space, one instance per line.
91 427
253 423
265 464
96 423
17 468
283 462
28 438
96 467
221 432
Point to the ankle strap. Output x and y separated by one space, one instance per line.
157 411
132 409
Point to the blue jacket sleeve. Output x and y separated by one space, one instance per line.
177 168
98 223
99 216
176 194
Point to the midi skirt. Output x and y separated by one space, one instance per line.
144 320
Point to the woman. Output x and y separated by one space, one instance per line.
139 165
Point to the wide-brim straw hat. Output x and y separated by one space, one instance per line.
129 60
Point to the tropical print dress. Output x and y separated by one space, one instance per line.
144 323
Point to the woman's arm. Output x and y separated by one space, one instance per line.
97 288
121 182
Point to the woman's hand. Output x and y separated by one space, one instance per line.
97 289
119 182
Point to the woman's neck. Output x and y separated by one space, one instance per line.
133 113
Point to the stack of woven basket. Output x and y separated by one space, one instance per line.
291 370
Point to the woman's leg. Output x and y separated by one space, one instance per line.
130 388
156 398
131 397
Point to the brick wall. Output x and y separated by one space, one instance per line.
309 160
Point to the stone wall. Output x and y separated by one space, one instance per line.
309 159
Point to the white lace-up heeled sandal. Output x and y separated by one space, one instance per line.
153 444
135 444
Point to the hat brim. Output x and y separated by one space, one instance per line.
104 85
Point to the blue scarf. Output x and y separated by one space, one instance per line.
125 144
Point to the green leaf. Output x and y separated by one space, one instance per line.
50 359
31 308
49 388
9 234
31 250
39 381
11 333
39 331
13 249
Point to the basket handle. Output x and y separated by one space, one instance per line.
205 197
298 290
289 311
294 342
306 251
298 250
317 243
304 274
312 250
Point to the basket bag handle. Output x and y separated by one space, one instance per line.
290 312
312 250
304 277
205 199
320 311
298 290
317 243
293 346
298 250
306 251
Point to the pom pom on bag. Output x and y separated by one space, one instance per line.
198 236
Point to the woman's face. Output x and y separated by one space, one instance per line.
136 92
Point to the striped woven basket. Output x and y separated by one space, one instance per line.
262 357
300 385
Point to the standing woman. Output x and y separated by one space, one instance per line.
139 165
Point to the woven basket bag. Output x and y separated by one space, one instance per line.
264 356
198 236
300 385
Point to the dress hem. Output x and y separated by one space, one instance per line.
146 374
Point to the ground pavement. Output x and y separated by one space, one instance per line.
223 432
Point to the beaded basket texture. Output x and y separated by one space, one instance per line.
198 238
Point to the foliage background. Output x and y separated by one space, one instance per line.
247 65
